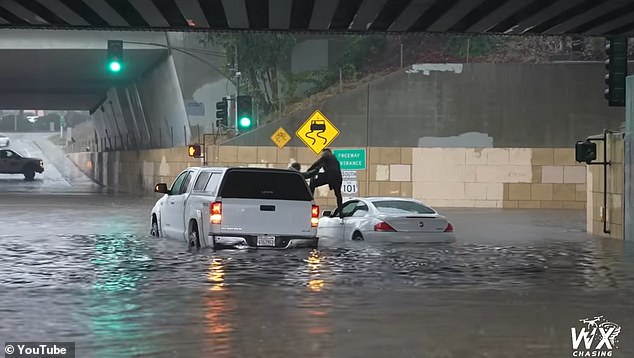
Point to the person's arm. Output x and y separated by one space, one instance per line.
317 164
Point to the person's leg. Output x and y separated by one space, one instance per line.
336 187
316 182
337 190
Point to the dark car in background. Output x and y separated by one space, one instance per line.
11 162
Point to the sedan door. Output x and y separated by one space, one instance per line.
333 227
343 231
354 220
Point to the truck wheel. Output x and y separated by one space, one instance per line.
194 240
154 231
29 174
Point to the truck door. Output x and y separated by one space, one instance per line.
10 162
173 215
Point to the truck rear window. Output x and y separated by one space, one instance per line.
264 185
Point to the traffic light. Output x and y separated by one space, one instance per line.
222 112
194 150
245 113
585 151
616 64
115 55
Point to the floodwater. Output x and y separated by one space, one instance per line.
83 268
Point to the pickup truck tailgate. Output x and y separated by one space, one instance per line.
261 216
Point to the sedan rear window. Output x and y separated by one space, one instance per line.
402 207
264 185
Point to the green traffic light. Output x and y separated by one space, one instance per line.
245 122
114 66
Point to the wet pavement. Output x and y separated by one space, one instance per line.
81 266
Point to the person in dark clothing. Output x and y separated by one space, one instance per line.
331 175
295 166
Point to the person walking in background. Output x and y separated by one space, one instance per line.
331 175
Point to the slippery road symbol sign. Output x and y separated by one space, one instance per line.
317 132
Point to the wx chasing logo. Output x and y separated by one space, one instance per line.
596 339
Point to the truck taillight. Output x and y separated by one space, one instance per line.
314 216
215 212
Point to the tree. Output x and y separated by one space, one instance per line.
259 58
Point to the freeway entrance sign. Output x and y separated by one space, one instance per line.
351 159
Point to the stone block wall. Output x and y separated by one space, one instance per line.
499 177
442 177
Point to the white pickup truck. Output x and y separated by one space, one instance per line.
237 208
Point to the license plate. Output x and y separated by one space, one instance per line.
266 240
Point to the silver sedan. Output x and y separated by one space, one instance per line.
385 219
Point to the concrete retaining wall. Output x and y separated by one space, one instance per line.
465 105
443 177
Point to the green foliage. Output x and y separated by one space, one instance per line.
357 51
259 58
315 81
472 46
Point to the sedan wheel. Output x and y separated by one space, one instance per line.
357 236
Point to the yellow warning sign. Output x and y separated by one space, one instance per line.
281 138
317 132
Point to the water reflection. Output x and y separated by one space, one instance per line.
216 274
119 262
133 295
315 282
315 307
219 308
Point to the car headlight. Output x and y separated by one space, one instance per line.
41 164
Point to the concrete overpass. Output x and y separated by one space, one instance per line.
67 71
588 17
141 107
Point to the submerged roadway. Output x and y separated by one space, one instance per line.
78 264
